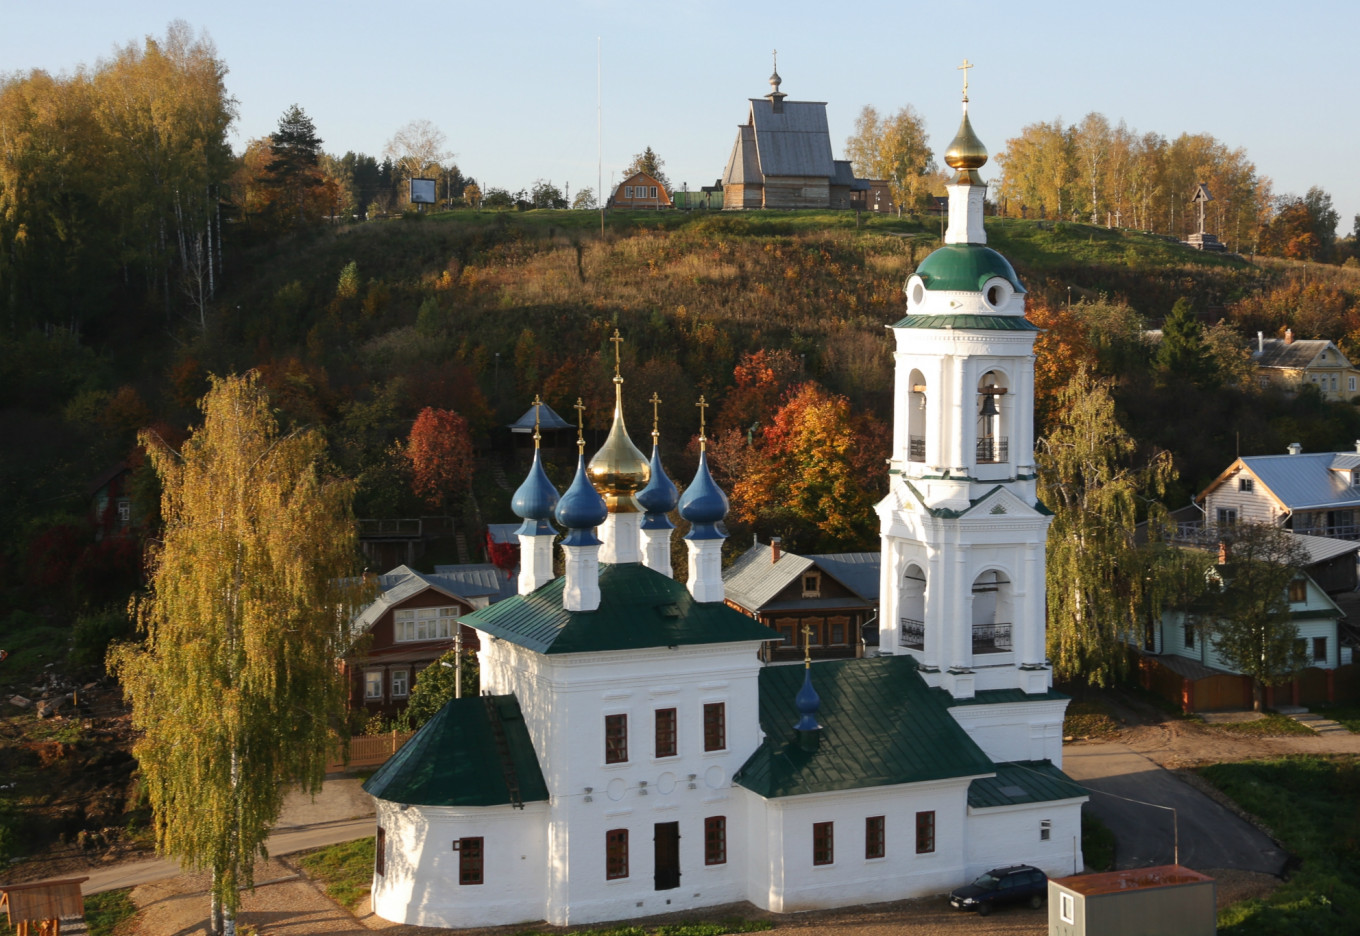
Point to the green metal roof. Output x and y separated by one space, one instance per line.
454 760
1002 697
881 725
639 608
1023 782
974 322
965 268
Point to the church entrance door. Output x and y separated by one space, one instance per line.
667 844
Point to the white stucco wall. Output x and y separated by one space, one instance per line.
1016 731
1010 835
420 881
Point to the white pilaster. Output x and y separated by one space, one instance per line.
965 213
705 569
535 562
619 538
581 591
656 551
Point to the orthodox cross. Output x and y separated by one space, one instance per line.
964 68
618 340
775 55
538 403
656 419
703 405
807 645
580 426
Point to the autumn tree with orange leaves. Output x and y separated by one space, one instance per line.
815 474
440 452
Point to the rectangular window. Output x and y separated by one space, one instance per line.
1319 649
373 684
788 629
627 191
1298 591
715 840
1350 384
1067 908
812 585
1189 636
124 511
423 624
1227 516
616 854
925 832
823 843
875 845
653 191
615 739
401 684
1045 830
838 631
470 860
665 732
1246 485
715 726
380 852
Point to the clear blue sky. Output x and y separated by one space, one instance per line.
513 85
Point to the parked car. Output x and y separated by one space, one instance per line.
1002 886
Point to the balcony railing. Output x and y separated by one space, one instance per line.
912 634
916 448
993 450
991 638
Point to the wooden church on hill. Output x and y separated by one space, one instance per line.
782 158
632 753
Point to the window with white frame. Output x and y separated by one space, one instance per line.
423 623
653 191
1067 908
1045 830
401 683
1350 384
1246 485
373 684
627 191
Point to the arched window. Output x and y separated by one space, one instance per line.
993 443
992 613
916 418
912 626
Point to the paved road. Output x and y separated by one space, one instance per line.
1210 836
340 813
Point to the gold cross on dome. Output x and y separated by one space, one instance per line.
618 340
656 419
964 68
538 405
807 644
580 425
775 55
703 405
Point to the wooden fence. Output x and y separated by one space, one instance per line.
371 750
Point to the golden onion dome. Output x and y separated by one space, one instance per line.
618 469
965 150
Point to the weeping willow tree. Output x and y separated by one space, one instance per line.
235 689
1104 587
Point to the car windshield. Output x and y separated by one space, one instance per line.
986 882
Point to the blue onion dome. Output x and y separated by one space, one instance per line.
807 702
535 501
659 497
581 509
703 504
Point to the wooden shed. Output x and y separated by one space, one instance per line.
640 190
1166 900
43 902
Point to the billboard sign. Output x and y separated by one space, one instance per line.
422 191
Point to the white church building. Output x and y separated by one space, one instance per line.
631 754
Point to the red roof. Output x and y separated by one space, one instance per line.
1135 879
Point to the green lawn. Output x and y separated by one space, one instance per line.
345 870
1313 805
1347 714
1269 726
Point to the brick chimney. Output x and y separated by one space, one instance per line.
1289 336
774 549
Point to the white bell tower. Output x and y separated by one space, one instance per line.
963 534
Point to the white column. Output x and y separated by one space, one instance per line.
1024 417
535 562
963 449
965 214
936 610
619 538
582 590
656 551
705 569
1037 623
937 398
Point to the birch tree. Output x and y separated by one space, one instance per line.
235 689
1101 585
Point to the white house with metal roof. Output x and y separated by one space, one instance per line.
633 754
1312 493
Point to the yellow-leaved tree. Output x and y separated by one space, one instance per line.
235 689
